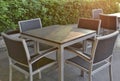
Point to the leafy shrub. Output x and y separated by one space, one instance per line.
50 11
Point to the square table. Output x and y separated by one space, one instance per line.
59 36
115 14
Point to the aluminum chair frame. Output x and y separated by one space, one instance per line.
94 59
26 66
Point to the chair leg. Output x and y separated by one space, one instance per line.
26 76
40 75
82 73
110 72
110 69
31 77
35 47
31 74
84 46
89 77
10 73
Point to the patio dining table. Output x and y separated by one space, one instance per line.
59 36
115 14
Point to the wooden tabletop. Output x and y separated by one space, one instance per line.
115 14
59 33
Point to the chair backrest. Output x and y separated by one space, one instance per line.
104 47
108 22
96 13
93 24
30 24
16 49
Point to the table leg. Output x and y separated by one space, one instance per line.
119 24
36 47
60 58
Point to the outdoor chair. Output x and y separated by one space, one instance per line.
100 57
20 59
31 24
96 13
26 25
108 23
87 23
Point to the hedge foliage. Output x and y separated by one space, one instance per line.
50 11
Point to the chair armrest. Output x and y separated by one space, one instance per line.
79 53
39 56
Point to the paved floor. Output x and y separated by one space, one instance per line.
71 73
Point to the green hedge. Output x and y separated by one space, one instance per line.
50 11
